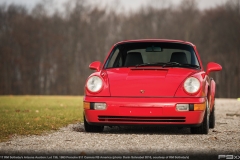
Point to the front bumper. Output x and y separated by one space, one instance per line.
143 111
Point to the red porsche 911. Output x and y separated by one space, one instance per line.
151 82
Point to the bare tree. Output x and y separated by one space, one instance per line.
42 53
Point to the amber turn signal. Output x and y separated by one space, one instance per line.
200 107
86 105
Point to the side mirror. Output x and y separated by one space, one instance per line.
95 65
211 66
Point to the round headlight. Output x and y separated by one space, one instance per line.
94 84
191 85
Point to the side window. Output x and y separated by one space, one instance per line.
194 59
120 62
188 54
113 60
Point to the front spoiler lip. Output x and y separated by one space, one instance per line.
145 125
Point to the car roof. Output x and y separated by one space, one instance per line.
156 40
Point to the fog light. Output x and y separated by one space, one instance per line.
100 106
86 105
199 107
182 107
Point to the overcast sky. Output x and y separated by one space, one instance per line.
126 4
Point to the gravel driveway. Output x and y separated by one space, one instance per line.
72 140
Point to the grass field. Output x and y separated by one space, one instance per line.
27 115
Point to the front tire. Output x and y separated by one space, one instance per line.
204 127
92 128
212 118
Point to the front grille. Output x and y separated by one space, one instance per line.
140 119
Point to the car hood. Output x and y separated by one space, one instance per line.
146 82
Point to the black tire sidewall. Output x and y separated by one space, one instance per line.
204 127
212 118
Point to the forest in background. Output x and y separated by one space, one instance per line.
49 54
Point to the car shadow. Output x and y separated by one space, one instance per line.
163 130
146 130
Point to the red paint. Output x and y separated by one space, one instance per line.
211 66
148 95
95 65
143 107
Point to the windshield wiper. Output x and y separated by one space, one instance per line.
176 64
191 66
169 64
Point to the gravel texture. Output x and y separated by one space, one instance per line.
223 139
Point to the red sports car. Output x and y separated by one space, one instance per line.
151 82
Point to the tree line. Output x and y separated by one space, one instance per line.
49 54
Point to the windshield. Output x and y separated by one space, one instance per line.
152 54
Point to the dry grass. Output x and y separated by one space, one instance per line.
26 115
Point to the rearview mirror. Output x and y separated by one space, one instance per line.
153 49
95 65
211 66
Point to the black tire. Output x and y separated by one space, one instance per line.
212 118
204 127
92 128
